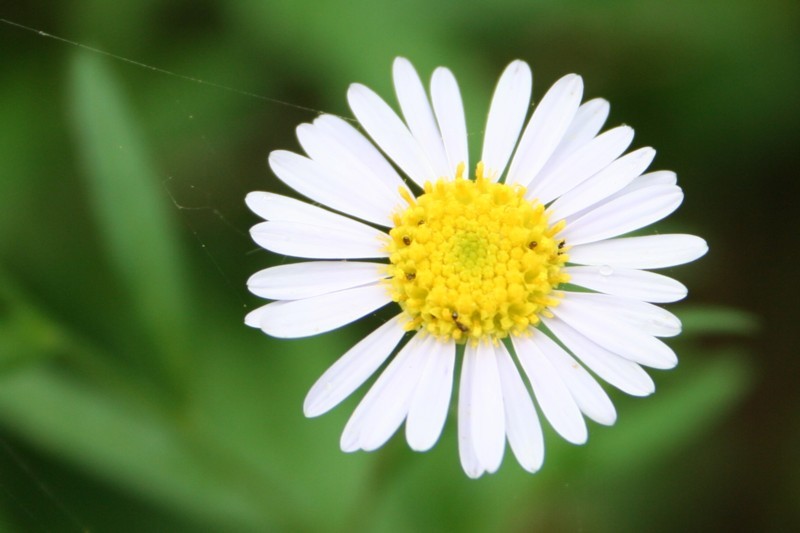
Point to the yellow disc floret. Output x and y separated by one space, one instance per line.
474 260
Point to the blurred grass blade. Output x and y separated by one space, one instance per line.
168 464
24 336
716 320
130 208
28 334
672 419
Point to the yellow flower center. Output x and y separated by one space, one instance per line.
474 260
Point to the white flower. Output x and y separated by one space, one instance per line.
476 266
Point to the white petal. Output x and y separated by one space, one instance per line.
622 373
507 112
651 251
603 184
551 393
547 127
312 278
253 318
303 230
662 178
614 334
385 406
588 120
361 151
335 176
319 241
659 177
312 316
390 134
522 423
428 410
650 318
466 443
588 394
449 110
353 368
270 206
319 183
486 405
593 157
627 213
418 114
628 283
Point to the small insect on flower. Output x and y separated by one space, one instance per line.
459 325
475 266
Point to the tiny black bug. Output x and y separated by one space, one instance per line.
459 325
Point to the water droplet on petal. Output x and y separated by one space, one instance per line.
606 270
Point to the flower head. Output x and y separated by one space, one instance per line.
520 266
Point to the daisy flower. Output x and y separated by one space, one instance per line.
519 268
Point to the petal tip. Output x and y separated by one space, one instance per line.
252 199
252 319
702 247
518 65
574 82
608 420
401 62
520 71
357 90
311 407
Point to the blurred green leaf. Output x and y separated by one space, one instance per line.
671 419
131 208
163 461
715 320
5 523
28 334
442 496
24 337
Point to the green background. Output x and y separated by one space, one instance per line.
133 398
